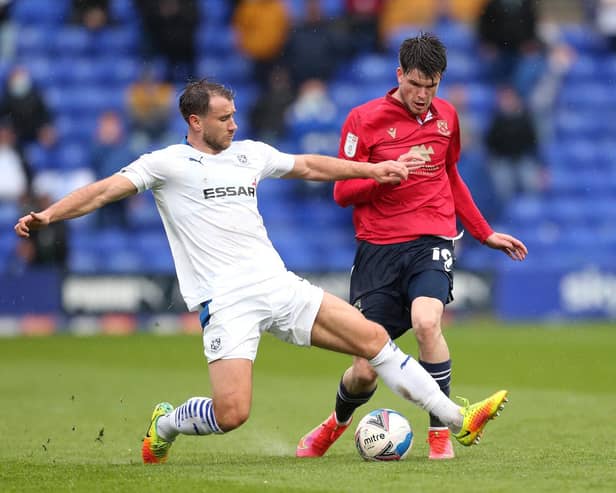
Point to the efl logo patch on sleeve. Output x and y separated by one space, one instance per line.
350 144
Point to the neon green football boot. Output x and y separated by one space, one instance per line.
154 449
476 417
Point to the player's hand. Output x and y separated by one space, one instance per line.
393 172
513 248
413 160
32 221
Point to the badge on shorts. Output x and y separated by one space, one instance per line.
215 344
350 144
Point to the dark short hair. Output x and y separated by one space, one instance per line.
195 99
425 53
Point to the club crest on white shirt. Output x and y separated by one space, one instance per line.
350 144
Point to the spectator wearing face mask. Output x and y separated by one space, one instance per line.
25 105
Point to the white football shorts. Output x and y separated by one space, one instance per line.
285 306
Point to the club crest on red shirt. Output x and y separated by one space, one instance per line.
443 128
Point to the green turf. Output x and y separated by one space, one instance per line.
74 410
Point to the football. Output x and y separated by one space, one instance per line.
383 435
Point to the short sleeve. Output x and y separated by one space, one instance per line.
276 163
146 173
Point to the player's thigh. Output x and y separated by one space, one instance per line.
340 327
231 381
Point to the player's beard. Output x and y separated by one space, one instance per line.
217 145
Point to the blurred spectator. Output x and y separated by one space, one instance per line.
510 46
315 46
267 116
109 153
7 31
26 107
169 29
605 21
544 95
511 143
15 173
149 103
312 112
362 19
472 162
313 104
261 28
92 14
47 247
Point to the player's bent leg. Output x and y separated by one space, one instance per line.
426 314
342 328
231 381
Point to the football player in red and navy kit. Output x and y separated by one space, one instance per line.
402 275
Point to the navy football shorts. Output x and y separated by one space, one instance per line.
387 278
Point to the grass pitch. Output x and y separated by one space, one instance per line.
74 411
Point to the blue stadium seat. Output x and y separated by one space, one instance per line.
216 38
72 128
230 70
526 209
9 213
124 11
595 95
586 68
142 212
458 37
83 261
583 39
72 155
462 67
43 70
577 123
317 142
39 157
82 70
33 41
372 69
214 11
154 251
394 39
120 40
40 12
118 70
124 260
72 41
346 94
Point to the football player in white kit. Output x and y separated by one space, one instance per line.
227 268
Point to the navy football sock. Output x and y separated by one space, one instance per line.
346 403
441 372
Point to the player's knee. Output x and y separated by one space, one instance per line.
364 376
427 326
231 417
376 337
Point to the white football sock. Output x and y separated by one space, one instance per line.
407 378
194 417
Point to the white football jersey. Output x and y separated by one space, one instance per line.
208 205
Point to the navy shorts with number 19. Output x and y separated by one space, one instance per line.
387 278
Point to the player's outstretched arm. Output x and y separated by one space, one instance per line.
325 168
514 248
78 203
